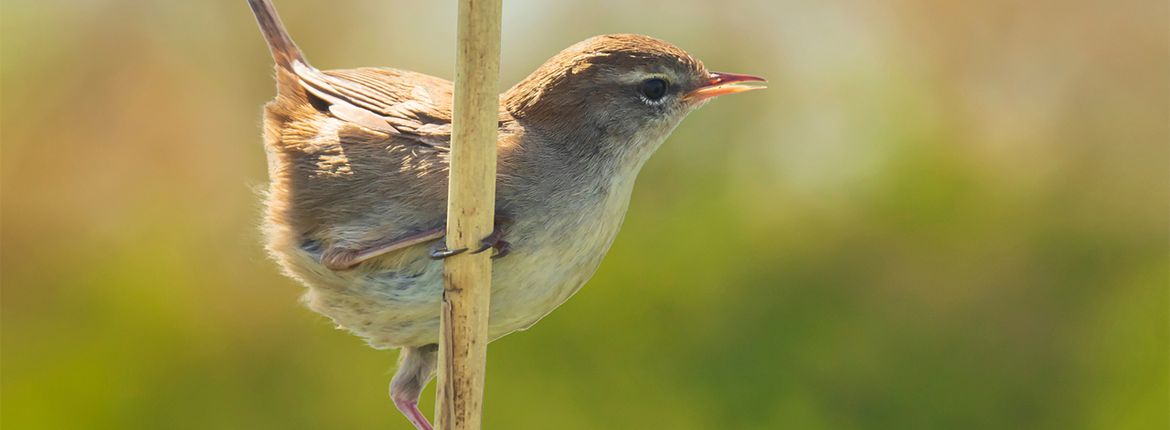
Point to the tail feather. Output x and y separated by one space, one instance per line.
284 51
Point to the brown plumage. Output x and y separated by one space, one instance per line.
358 169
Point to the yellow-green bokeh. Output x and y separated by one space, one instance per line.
940 215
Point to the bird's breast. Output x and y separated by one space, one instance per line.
555 253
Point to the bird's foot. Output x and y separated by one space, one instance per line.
493 241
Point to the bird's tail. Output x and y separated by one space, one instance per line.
284 51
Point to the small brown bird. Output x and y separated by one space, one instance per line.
358 165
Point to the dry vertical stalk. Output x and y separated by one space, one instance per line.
470 209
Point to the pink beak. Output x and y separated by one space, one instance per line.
721 83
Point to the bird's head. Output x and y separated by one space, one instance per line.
620 91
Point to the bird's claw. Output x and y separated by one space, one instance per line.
490 241
442 252
484 246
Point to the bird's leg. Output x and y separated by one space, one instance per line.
342 258
416 365
492 241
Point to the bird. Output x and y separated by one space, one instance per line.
358 159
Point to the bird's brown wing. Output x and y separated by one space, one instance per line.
357 157
367 170
392 101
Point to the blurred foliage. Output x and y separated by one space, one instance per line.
940 215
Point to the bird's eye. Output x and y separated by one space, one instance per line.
653 89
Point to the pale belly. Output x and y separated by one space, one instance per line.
397 304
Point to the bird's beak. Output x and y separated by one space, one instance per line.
720 83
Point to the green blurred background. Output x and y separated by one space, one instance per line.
941 215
